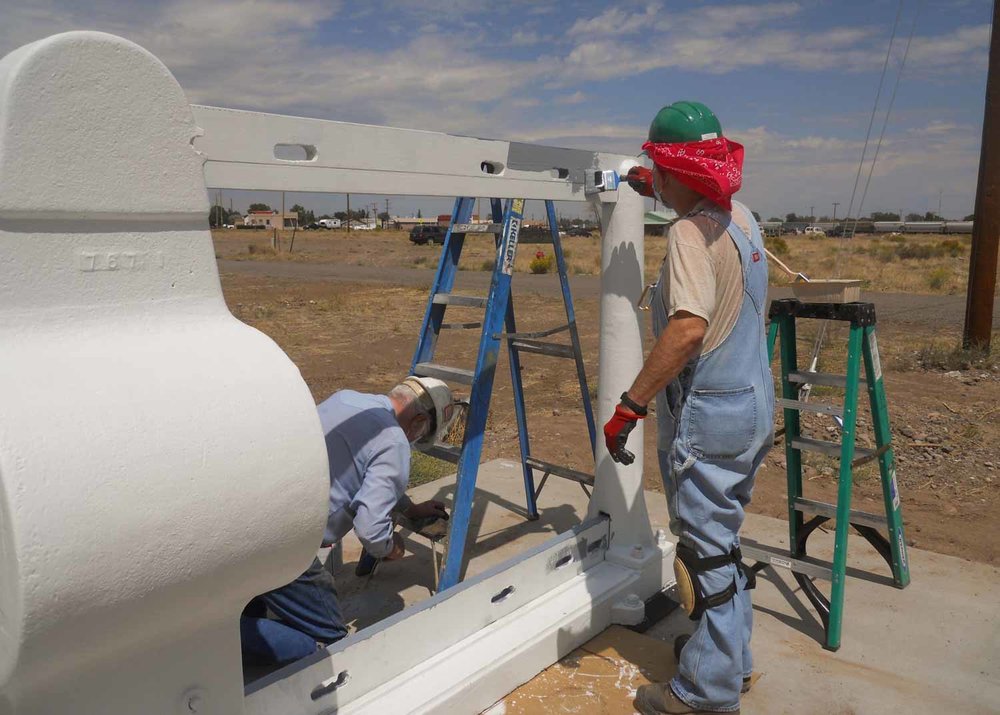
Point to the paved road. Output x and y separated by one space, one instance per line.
899 308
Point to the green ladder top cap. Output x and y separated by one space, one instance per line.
684 122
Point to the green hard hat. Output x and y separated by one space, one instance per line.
684 122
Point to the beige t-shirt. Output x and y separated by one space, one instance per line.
703 274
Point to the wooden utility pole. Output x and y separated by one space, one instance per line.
348 213
986 222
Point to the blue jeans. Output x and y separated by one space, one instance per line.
706 506
308 617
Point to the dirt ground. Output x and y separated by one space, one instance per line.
358 330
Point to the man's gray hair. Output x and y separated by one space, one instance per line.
408 396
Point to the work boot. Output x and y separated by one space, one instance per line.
658 698
681 641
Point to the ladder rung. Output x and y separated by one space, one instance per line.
808 506
543 348
461 326
469 301
564 472
477 228
443 372
445 452
779 557
821 407
805 377
833 448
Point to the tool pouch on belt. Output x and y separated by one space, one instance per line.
687 566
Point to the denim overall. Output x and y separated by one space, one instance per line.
715 425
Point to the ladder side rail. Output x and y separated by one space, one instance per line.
517 387
886 460
444 280
848 437
520 413
772 335
574 335
784 326
479 400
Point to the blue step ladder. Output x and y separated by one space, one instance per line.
498 325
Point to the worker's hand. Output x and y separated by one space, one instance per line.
617 430
427 509
641 180
398 548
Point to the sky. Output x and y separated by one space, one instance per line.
793 81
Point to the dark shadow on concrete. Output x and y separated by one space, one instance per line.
805 621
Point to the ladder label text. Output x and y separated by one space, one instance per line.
510 244
876 362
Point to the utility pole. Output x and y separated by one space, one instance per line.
386 210
986 222
812 213
348 213
940 196
835 205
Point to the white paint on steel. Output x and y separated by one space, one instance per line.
374 656
477 672
360 158
160 462
618 489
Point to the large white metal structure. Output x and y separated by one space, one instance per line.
151 482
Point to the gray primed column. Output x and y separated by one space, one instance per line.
618 489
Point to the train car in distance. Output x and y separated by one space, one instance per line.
958 226
923 227
888 226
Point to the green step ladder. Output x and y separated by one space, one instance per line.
862 346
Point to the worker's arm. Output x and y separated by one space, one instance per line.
676 346
383 483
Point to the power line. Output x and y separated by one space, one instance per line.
888 112
878 96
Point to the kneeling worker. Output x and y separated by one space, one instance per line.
714 396
368 440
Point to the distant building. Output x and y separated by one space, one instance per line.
408 222
272 219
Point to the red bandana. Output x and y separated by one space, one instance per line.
712 167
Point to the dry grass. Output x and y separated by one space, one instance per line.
896 264
899 264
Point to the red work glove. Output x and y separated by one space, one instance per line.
641 180
617 430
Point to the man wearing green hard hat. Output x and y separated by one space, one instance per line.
711 378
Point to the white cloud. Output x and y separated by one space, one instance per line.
616 21
911 168
577 97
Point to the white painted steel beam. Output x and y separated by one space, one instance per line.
339 157
465 648
618 490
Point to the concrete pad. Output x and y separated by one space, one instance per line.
933 647
600 676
